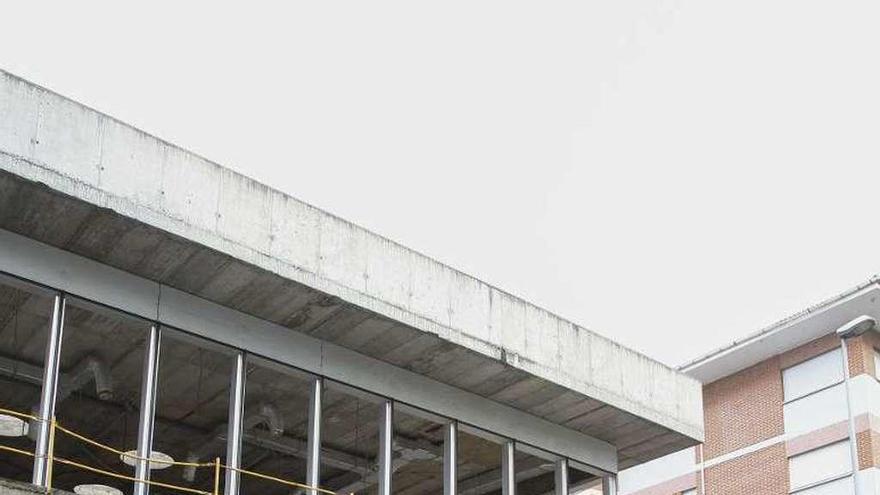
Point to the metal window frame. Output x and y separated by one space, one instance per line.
146 421
49 391
149 396
45 268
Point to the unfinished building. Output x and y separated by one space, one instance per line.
168 308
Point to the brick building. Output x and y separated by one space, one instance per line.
776 412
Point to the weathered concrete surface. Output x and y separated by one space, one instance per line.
80 153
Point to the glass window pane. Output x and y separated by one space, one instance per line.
582 482
657 471
813 374
25 317
816 411
535 472
479 461
418 452
102 358
192 405
276 416
820 464
350 443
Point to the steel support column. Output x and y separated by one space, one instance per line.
386 439
561 477
236 414
450 459
49 392
508 469
148 411
609 484
313 468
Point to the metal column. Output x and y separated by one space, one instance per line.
450 459
609 484
561 477
508 470
313 468
386 434
236 413
148 411
50 390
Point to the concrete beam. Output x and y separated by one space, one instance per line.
31 260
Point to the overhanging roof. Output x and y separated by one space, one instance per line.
76 179
808 325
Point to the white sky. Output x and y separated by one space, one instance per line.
672 174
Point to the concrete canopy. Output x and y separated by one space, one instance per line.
79 180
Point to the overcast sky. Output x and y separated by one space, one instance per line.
671 174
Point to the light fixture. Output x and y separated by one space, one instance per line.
11 426
856 327
158 460
96 490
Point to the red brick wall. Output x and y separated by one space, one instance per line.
861 354
743 409
764 472
808 350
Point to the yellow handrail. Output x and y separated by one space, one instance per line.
279 480
216 464
17 451
128 455
130 478
19 414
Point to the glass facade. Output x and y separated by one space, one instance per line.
25 316
144 406
99 391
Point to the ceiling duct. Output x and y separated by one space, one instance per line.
266 415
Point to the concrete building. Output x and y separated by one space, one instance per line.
783 408
175 311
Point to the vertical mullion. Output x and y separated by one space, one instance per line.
561 477
313 469
609 484
508 469
450 459
386 438
236 413
49 391
148 411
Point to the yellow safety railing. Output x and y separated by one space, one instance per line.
217 466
